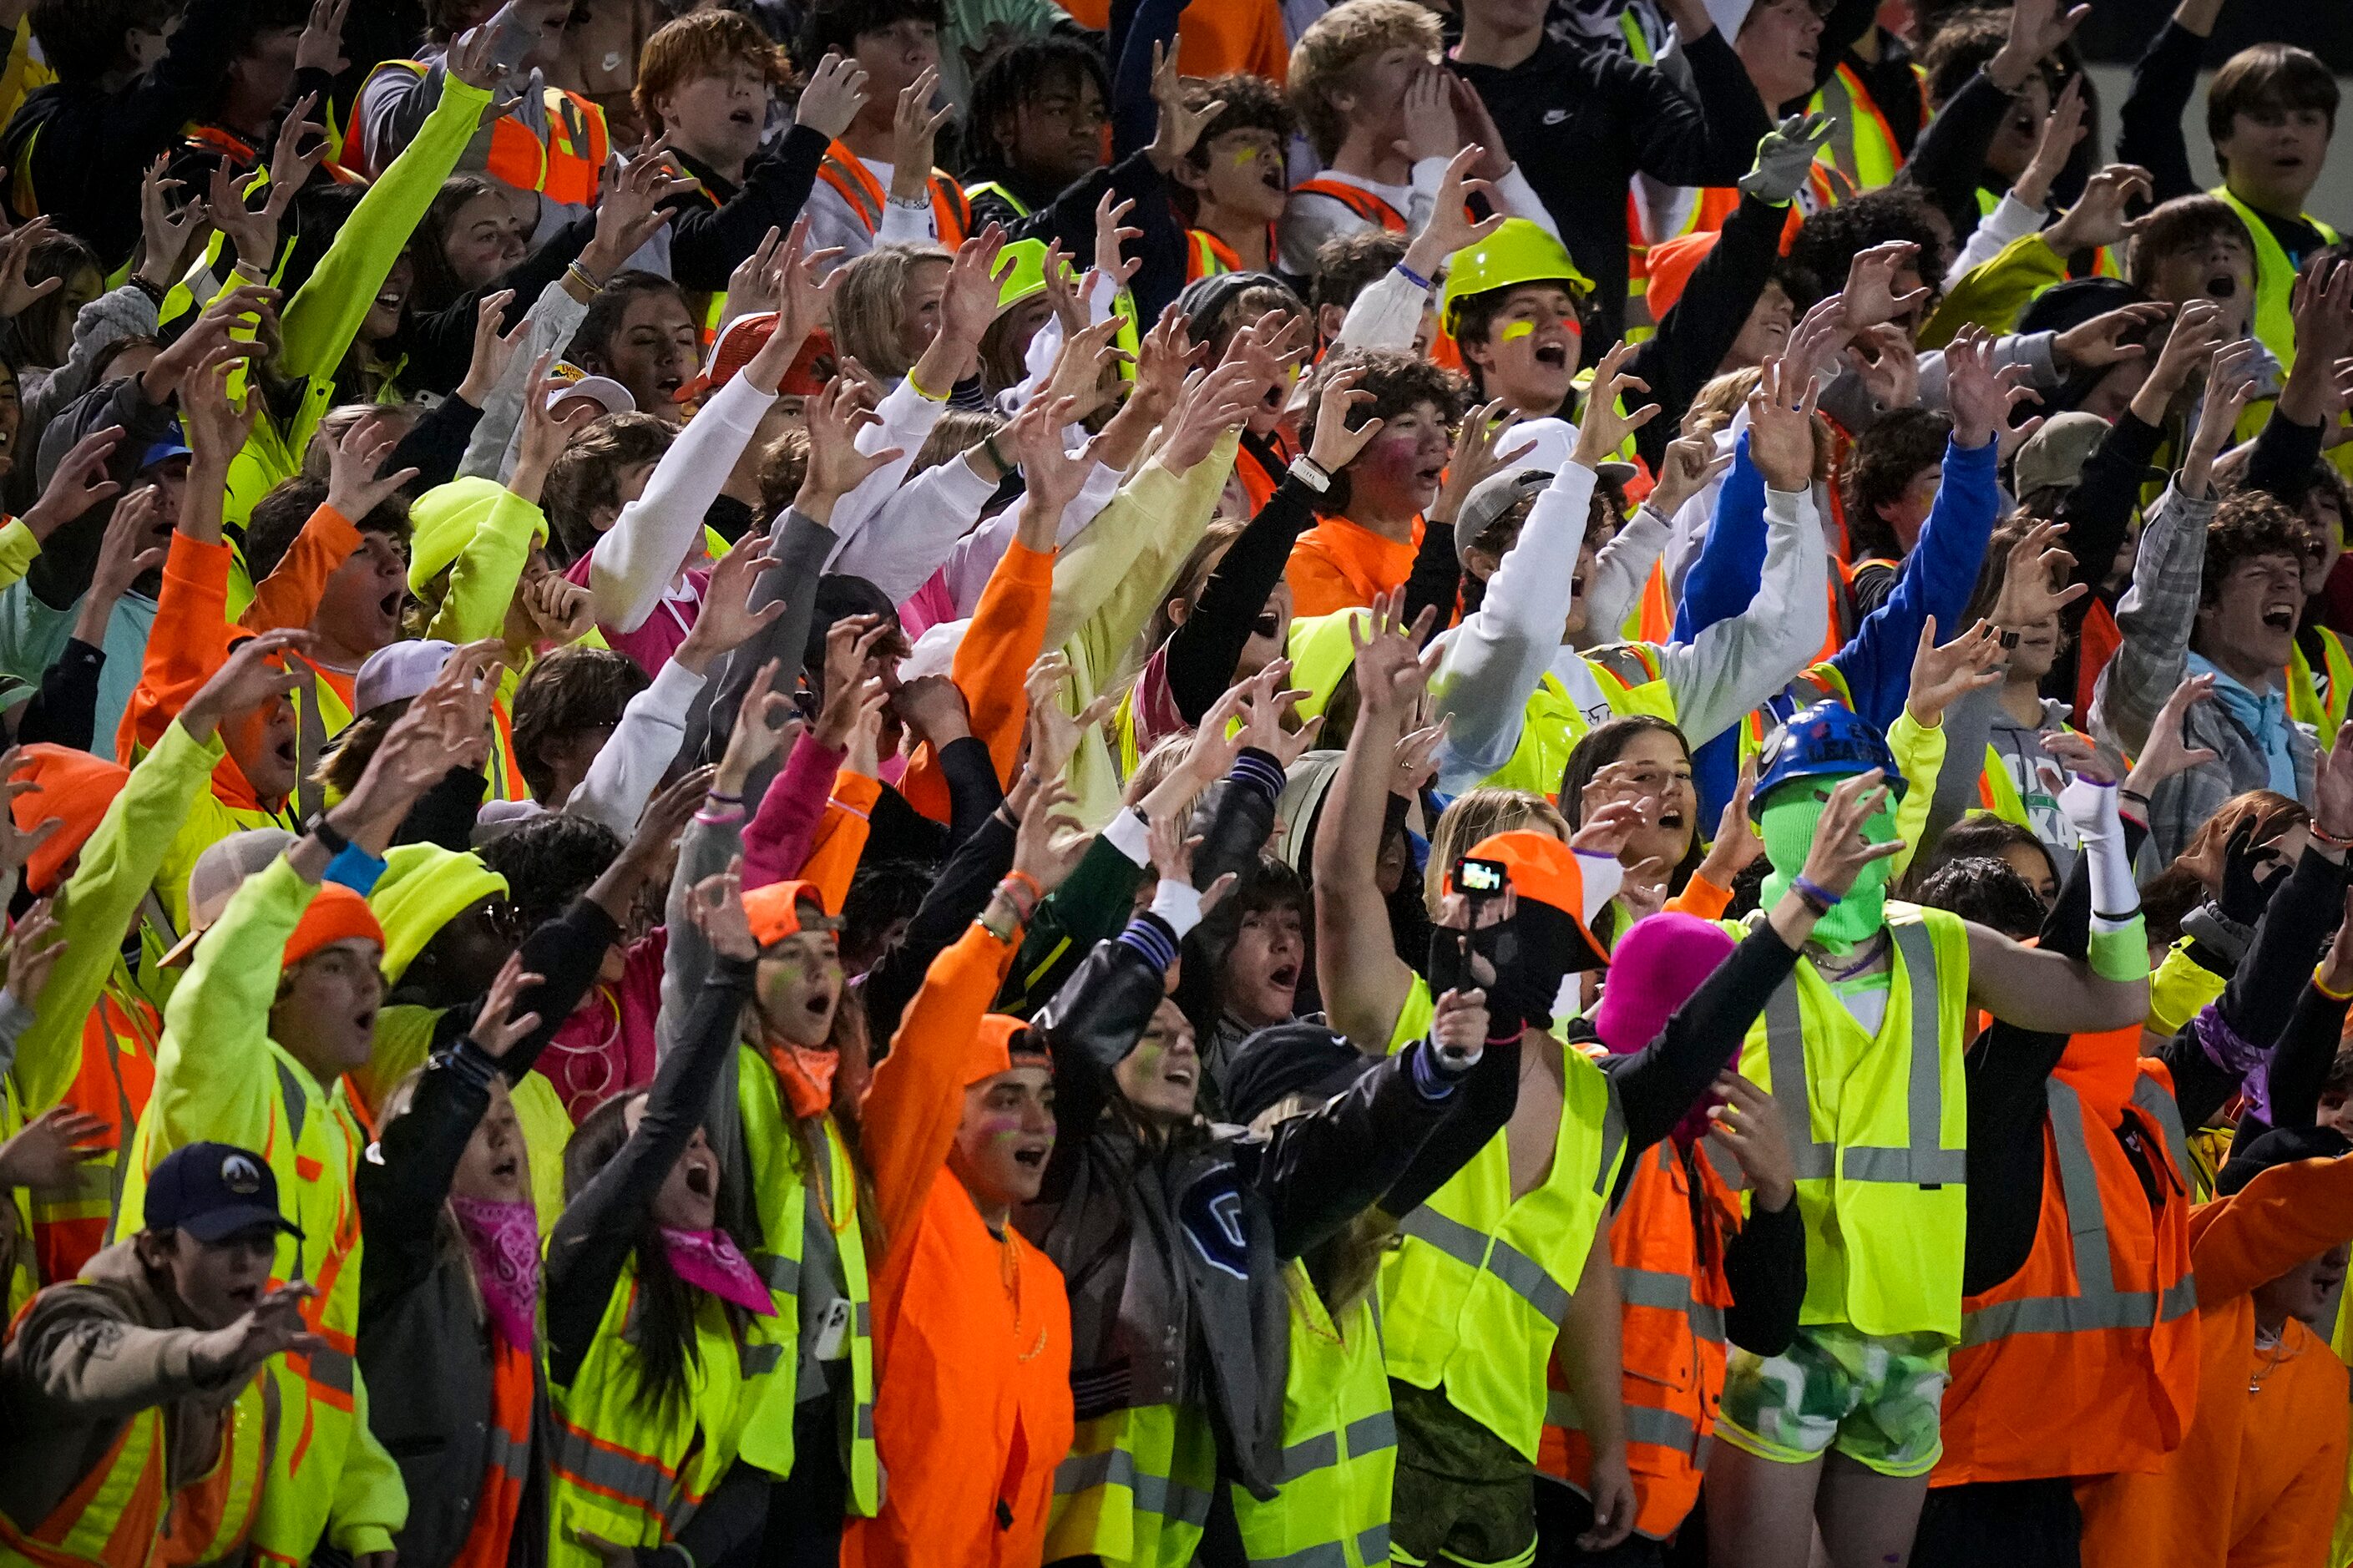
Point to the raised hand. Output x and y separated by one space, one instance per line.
246 680
914 128
1082 374
165 233
545 436
1870 293
2061 131
1884 357
714 905
1781 427
1212 404
836 466
1786 156
1335 446
856 650
2230 387
2037 31
1451 229
2036 566
2100 341
1458 1026
834 96
1049 841
274 1327
1610 826
2097 218
1745 1120
320 47
354 486
124 557
1981 397
762 721
1112 235
631 211
1414 763
1814 342
1430 129
1054 736
2167 751
1051 472
1608 425
1179 127
1970 662
1392 669
2332 789
497 1029
727 620
34 945
80 483
494 348
1484 447
1265 707
1738 844
2195 337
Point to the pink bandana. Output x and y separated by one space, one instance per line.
710 1260
504 1240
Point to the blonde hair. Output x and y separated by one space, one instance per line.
870 306
1728 394
1351 1260
1478 815
1325 60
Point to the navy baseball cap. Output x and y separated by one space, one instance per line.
172 444
212 1191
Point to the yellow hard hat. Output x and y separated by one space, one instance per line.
1518 252
1029 274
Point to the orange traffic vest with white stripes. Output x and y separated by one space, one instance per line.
2085 1363
117 1075
1672 1285
120 1515
1356 199
856 185
565 167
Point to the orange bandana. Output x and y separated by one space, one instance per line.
807 1077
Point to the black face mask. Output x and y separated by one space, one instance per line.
1527 966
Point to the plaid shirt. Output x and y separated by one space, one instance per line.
2156 617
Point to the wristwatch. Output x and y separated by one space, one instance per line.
1311 474
326 833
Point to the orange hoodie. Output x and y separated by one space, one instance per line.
1342 565
972 1331
992 670
2256 1483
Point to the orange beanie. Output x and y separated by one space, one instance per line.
337 914
75 787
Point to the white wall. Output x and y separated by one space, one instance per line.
2332 199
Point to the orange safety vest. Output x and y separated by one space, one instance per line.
1206 255
2085 1361
1671 1282
513 1392
566 167
116 1077
1356 199
855 183
118 1515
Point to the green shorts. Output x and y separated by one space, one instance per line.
1465 1497
1875 1399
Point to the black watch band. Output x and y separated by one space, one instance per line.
326 833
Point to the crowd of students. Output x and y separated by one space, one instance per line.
939 781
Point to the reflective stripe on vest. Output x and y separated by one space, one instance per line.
1136 1488
1551 723
2274 322
1474 1297
1206 255
1863 145
856 185
1001 191
2098 1303
1882 1188
1367 206
113 1516
1924 1161
1338 1470
1153 1494
2321 697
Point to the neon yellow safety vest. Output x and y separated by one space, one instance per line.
1630 681
996 188
633 1469
1474 1297
1863 145
789 1204
2321 697
1136 1488
1339 1442
2274 279
1877 1125
1319 654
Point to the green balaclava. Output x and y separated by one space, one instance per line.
1788 823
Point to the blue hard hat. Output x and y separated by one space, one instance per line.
1829 739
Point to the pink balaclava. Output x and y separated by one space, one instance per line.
1653 970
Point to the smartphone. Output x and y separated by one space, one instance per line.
1476 879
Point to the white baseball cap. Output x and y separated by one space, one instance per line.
397 671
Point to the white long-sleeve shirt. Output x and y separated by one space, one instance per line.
833 223
629 766
637 559
904 419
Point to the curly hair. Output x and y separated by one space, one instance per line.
551 860
1027 71
1251 103
1885 459
1398 381
1989 892
1828 242
572 689
1324 61
702 44
2246 525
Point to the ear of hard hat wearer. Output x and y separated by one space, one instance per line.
783 908
1542 872
1518 252
76 788
1827 740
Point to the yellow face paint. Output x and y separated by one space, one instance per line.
1515 331
1245 157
